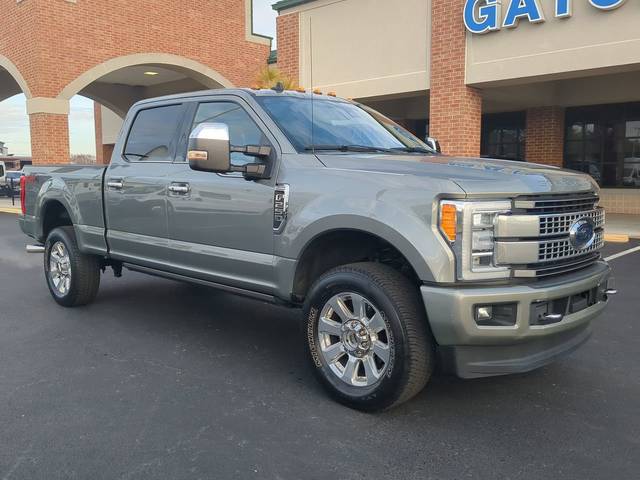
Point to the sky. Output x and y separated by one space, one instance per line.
14 122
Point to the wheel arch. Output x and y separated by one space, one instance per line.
329 248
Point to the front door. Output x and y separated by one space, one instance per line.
221 225
136 187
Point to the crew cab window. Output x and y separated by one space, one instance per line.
242 129
153 133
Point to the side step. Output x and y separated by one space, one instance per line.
35 248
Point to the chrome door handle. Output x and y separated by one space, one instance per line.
182 188
115 184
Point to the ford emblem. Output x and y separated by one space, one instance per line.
582 233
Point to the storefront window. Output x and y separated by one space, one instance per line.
604 141
503 135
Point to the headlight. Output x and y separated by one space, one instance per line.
468 228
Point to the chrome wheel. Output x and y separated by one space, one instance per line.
60 268
354 339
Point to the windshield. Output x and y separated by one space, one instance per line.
14 174
338 126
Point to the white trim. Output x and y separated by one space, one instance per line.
47 105
15 73
250 36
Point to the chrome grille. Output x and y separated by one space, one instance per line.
560 249
557 204
534 238
560 224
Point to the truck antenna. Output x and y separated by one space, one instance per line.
313 143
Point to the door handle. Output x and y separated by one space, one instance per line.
179 188
115 184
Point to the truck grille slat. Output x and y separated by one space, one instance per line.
558 204
560 224
550 250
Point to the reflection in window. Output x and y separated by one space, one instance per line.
503 136
153 134
242 129
604 141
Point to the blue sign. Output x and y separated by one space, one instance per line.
482 16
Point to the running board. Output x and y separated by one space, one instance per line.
35 248
183 278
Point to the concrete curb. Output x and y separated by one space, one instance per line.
15 211
616 238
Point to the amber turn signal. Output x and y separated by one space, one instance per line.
448 221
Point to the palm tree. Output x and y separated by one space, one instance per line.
269 77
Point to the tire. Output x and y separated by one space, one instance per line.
352 366
81 286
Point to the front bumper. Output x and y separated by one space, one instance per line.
470 350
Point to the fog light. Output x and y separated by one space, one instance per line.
496 315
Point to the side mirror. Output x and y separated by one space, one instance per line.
434 144
209 148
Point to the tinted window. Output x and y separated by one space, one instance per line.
152 136
242 129
335 123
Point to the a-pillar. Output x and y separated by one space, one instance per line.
455 117
49 125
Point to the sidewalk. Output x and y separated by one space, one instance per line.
622 224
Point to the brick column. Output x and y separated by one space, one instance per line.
545 135
455 109
49 138
97 125
288 33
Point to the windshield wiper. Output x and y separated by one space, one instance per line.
347 148
415 150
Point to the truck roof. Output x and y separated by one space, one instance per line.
241 92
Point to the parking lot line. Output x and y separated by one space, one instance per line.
622 254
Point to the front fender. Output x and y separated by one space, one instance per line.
408 228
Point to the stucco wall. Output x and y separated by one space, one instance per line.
590 39
365 48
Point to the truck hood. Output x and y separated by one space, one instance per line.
476 176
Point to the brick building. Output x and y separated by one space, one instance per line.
548 81
116 53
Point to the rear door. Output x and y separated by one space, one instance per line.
136 186
221 225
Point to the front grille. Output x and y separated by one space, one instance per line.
550 250
540 246
557 204
560 224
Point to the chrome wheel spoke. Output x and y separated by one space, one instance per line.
350 370
333 352
381 350
328 326
340 308
371 371
358 303
376 324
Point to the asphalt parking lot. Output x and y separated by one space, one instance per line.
160 379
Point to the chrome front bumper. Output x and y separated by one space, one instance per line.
471 350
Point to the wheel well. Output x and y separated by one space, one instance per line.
54 215
341 247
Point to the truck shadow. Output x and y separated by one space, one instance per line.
232 332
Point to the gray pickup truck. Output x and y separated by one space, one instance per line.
400 258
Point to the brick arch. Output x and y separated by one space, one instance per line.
10 67
196 70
